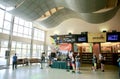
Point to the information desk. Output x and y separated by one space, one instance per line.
59 64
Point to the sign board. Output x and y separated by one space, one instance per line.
96 37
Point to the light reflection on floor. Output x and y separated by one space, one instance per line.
34 72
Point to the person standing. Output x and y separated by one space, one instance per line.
77 58
94 62
42 60
99 60
102 63
68 62
73 63
118 60
14 64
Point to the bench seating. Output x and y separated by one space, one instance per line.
27 61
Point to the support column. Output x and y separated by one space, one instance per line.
10 42
31 45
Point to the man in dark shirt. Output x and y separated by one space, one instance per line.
14 65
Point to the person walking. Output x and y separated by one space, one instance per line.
14 64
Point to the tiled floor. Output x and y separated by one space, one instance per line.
34 72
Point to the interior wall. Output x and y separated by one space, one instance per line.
76 26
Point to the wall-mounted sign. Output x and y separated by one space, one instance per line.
96 37
65 46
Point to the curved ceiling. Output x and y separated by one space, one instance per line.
65 14
11 3
84 9
83 6
33 9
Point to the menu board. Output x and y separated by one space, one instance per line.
69 39
96 37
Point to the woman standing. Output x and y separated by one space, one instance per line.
77 58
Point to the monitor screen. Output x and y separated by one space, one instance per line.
82 38
113 37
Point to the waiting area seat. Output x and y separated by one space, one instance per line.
34 60
20 61
27 61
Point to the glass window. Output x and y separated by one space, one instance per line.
19 34
1 23
42 47
24 52
35 33
18 51
20 29
8 16
14 33
4 44
15 28
28 53
34 46
1 14
16 20
26 30
19 44
7 25
21 21
5 31
13 44
0 30
42 35
30 24
30 31
39 34
24 46
28 46
26 36
2 54
27 24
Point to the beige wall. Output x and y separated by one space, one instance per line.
76 26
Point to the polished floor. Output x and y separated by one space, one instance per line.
34 72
